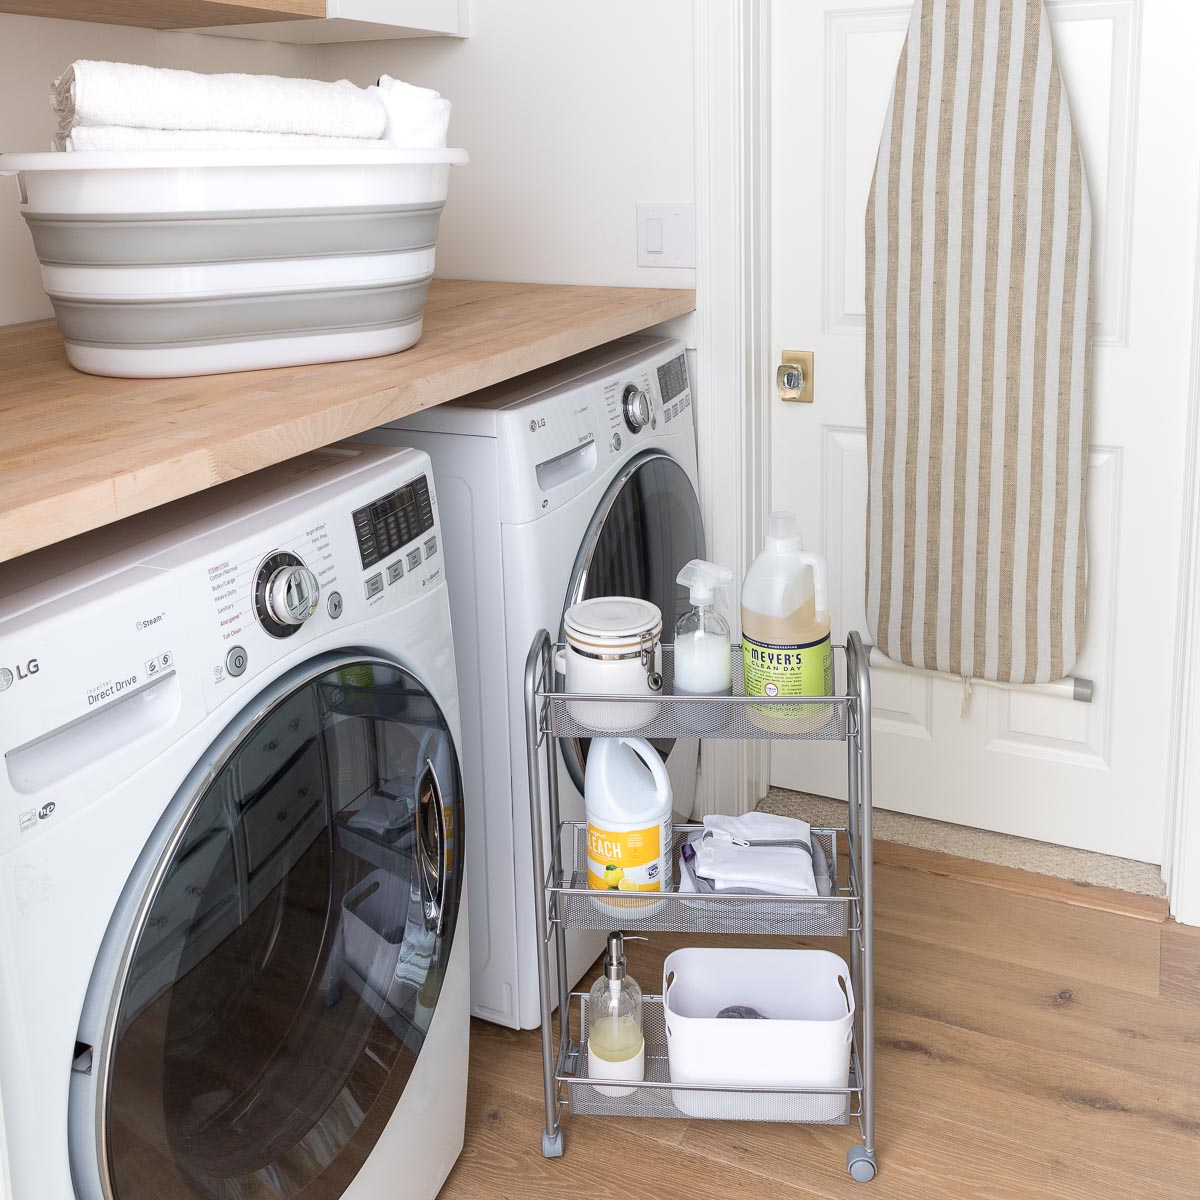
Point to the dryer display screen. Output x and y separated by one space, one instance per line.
392 521
673 379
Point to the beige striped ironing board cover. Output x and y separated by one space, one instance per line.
978 325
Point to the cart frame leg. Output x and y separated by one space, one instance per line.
861 1161
535 670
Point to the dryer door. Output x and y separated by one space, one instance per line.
279 975
645 530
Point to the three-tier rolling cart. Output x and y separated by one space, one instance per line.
564 901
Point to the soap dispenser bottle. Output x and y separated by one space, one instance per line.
616 1046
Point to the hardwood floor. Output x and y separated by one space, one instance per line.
1036 1041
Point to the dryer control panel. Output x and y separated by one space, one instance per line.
558 441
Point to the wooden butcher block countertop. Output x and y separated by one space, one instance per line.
80 451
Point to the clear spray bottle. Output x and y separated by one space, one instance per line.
702 664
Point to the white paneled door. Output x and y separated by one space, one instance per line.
1020 761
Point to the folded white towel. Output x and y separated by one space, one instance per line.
381 815
758 851
105 93
417 118
122 137
759 826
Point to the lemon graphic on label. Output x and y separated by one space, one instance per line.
614 876
626 885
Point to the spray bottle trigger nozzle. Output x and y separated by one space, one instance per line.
703 580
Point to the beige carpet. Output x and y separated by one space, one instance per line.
981 844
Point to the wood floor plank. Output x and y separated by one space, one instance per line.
1179 977
1025 883
925 1160
1098 946
1130 1128
1047 1010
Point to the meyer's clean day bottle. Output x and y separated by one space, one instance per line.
787 649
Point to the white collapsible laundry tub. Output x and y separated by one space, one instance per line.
808 1003
193 263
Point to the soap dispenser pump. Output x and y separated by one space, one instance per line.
616 1045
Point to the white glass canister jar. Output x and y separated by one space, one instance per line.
614 648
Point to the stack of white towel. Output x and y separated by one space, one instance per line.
121 106
758 853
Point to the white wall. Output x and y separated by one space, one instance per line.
33 52
573 114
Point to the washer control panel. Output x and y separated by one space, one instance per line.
392 521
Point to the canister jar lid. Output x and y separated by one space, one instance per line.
613 621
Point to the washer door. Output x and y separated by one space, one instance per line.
645 530
286 959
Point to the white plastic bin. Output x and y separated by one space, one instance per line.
805 1041
374 913
193 263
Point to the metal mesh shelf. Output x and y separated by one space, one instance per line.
657 1096
736 717
578 907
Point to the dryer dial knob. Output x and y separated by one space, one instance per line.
292 595
637 406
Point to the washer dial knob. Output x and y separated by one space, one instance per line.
292 595
637 407
286 594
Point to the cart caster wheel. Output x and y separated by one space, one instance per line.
552 1147
861 1163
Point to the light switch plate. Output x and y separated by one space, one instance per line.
666 235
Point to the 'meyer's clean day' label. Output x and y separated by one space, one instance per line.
778 672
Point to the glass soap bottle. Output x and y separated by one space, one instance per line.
616 1045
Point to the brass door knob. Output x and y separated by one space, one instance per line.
789 378
794 376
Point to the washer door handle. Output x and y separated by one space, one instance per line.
431 858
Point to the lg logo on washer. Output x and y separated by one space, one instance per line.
9 677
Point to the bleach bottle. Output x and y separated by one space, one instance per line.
787 648
627 795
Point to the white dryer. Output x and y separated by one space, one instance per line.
578 480
233 943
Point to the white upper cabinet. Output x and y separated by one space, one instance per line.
298 21
360 21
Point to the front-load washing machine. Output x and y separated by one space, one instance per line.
233 958
575 481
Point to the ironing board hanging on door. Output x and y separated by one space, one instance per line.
979 234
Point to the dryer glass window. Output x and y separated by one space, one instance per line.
646 530
288 967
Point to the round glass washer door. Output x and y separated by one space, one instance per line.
644 532
278 988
